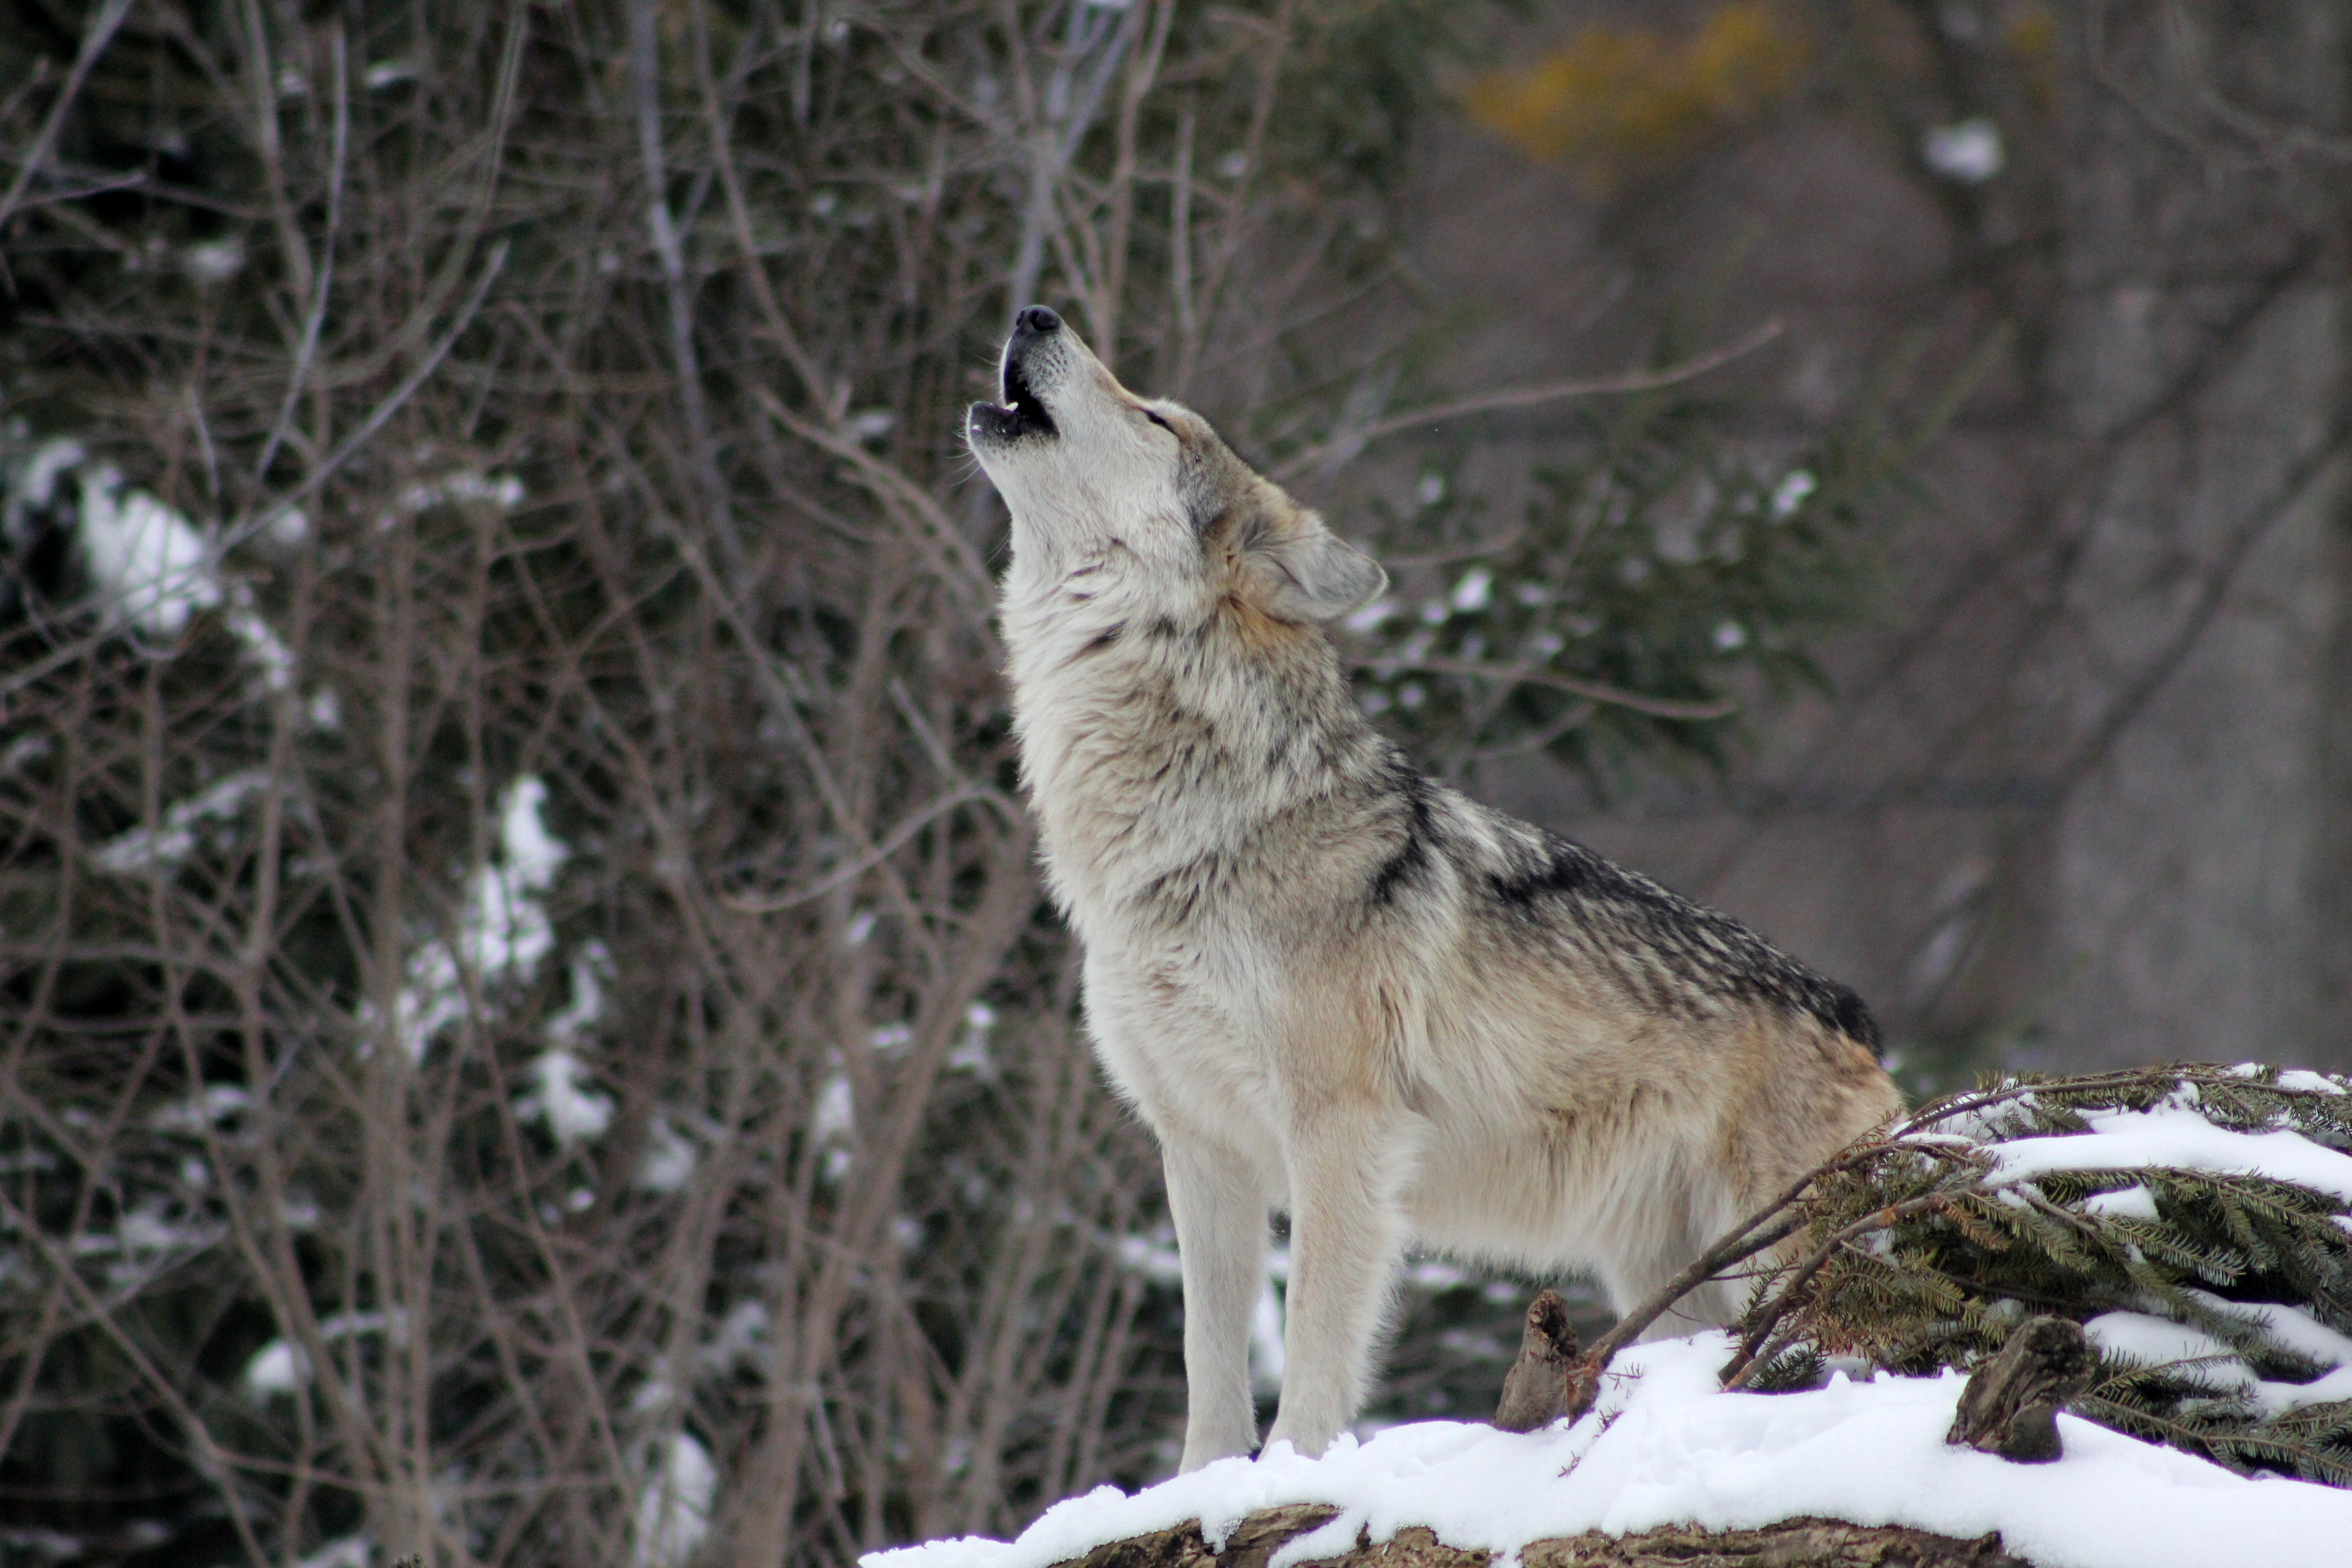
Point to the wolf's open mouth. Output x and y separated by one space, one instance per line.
1022 412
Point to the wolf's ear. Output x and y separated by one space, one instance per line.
1307 575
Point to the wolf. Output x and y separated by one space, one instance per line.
1332 987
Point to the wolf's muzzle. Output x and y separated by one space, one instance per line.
1022 413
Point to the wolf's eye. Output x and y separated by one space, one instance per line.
1157 420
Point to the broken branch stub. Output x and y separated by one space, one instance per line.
1536 1390
2012 1401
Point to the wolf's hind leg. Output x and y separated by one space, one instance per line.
1345 1238
1220 1213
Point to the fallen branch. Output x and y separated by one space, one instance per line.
1767 1228
1750 1361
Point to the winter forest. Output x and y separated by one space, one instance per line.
531 1032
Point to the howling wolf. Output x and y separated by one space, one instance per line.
1332 987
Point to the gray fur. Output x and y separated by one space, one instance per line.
1331 985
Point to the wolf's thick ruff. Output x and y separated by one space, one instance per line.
1331 985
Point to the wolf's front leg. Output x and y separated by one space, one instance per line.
1220 1214
1345 1238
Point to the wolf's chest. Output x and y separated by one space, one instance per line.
1186 1028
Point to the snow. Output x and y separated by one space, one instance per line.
2309 1082
213 1104
282 1367
503 931
1154 1256
1790 493
742 1341
591 967
2290 1328
2153 1341
668 1160
674 1509
1969 152
836 1124
562 1099
561 1095
215 262
35 485
147 562
970 1053
2133 1201
503 492
151 568
836 1109
1267 1349
1665 1446
44 1545
276 1368
2174 1136
147 849
349 1552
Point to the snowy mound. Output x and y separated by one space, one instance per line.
2196 1220
1665 1446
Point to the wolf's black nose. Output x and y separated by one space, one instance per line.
1038 320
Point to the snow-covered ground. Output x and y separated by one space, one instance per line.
1665 1446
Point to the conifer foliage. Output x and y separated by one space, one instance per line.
2197 1221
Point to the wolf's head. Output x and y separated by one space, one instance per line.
1096 474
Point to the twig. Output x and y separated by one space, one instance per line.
751 904
269 516
93 43
316 317
669 254
959 562
1766 1227
1350 442
1594 691
1745 1363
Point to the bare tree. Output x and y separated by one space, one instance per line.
525 992
528 1032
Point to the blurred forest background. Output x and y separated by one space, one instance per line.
528 1033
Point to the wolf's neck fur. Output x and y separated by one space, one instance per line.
1162 732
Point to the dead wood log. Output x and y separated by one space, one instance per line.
2011 1403
1250 1543
1792 1544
